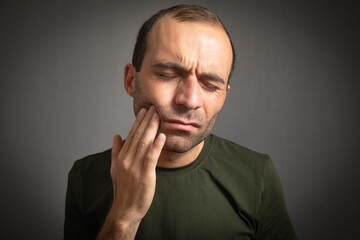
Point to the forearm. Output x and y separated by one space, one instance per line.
118 230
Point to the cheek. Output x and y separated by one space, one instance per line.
159 94
213 104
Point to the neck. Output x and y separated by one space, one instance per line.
170 159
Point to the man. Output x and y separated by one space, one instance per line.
172 179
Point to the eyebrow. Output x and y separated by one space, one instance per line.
180 68
171 65
213 77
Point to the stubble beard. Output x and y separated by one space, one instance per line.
181 141
177 141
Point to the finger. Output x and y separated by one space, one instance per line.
153 155
148 137
137 137
116 147
139 118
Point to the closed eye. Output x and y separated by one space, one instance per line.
167 76
211 87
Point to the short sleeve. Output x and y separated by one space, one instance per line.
76 225
272 218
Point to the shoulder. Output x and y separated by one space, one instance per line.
222 145
228 151
90 189
243 172
94 160
92 165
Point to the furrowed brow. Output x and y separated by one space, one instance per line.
176 66
213 77
170 65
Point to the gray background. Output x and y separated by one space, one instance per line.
294 95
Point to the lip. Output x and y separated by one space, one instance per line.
180 125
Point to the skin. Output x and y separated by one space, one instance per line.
178 93
185 77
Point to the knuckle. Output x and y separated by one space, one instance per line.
131 133
150 162
137 135
148 158
124 166
142 142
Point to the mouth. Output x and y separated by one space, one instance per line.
180 125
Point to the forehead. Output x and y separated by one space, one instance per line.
197 45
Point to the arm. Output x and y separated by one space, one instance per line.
133 175
76 225
272 219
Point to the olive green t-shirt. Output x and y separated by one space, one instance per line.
228 192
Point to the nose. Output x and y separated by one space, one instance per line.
188 93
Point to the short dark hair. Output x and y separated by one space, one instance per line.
182 13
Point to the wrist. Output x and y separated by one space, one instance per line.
116 227
126 227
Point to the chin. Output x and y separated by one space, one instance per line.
181 143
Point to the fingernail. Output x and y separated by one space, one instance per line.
152 108
142 111
155 116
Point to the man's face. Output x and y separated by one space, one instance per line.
184 75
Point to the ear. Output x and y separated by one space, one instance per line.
227 88
129 79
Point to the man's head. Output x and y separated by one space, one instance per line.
183 72
182 13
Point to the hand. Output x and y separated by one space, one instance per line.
133 173
133 166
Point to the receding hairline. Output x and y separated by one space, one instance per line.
181 13
170 17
